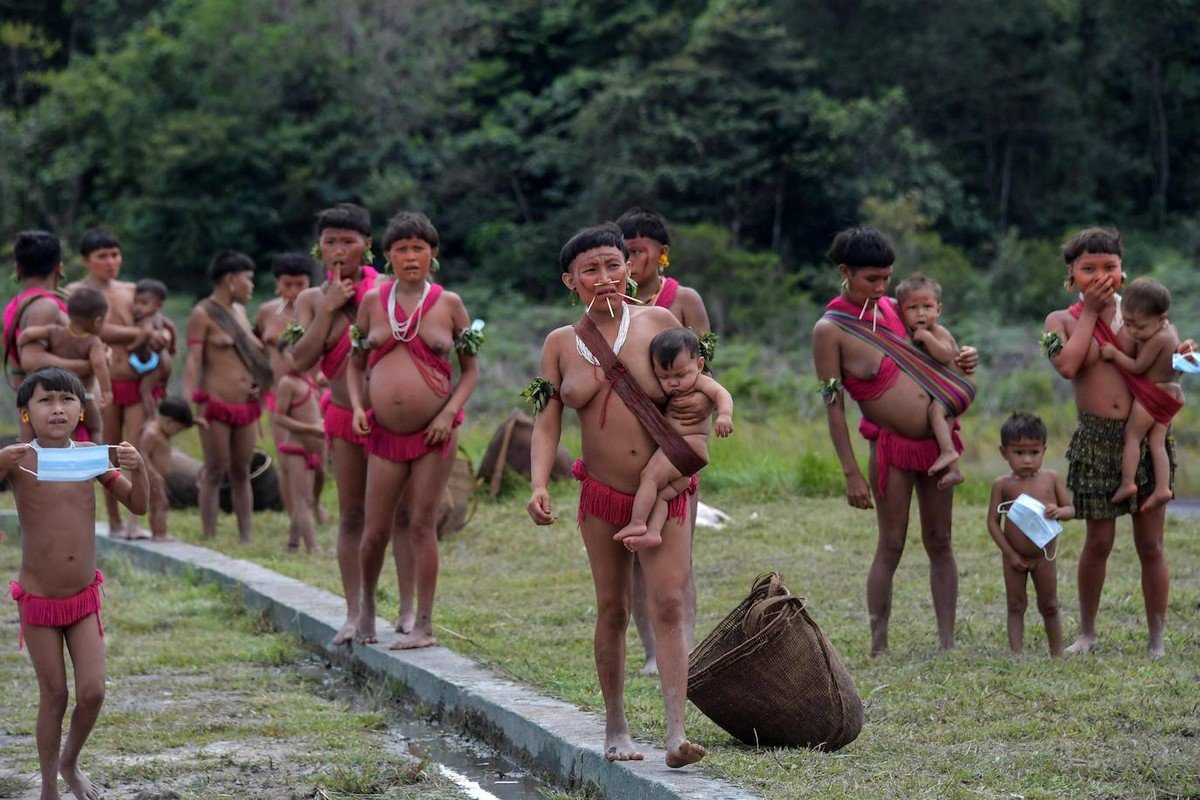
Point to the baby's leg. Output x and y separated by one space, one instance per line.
1014 590
1136 427
299 480
939 423
658 472
1045 583
158 507
46 653
92 419
87 657
658 517
1162 469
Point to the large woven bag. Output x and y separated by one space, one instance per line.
460 497
768 675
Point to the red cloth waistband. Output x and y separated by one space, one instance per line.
57 612
339 424
616 507
908 455
402 447
233 414
311 460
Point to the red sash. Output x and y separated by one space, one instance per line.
1161 405
666 294
334 359
12 319
433 368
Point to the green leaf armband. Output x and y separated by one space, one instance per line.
469 340
1052 343
830 390
358 338
290 335
708 348
539 393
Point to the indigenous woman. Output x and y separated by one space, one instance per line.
227 371
649 244
326 314
894 405
616 446
407 329
275 324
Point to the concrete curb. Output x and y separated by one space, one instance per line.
553 736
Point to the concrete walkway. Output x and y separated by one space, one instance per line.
554 738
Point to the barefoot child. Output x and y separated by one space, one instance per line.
303 447
79 340
1152 339
154 366
679 367
920 301
174 416
58 588
1023 444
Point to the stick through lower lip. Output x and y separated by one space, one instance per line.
608 300
594 299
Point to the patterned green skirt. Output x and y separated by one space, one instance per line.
1094 467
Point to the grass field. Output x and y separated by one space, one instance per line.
976 722
203 701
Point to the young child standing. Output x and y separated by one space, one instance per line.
58 588
1147 343
79 340
174 416
1023 445
679 367
303 449
153 366
920 302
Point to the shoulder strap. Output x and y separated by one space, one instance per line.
677 450
256 361
10 334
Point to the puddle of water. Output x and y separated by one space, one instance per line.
475 767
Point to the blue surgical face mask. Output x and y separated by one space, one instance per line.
71 463
1185 363
1029 515
142 367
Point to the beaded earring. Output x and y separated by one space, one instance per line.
664 260
81 416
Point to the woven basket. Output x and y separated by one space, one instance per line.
768 675
460 497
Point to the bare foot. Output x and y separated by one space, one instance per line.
684 753
1126 491
413 641
166 537
345 633
944 460
80 786
619 747
365 630
135 531
291 548
651 667
117 530
322 515
632 529
1083 646
952 477
644 542
1156 500
1156 651
405 622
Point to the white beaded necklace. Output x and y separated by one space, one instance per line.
622 333
407 331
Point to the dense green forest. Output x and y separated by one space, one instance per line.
978 134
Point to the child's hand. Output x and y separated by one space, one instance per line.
1107 351
12 455
539 507
128 458
1016 562
1052 511
362 425
724 425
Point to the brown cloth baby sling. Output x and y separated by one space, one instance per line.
256 361
673 445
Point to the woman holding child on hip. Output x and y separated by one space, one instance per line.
406 330
861 346
1079 342
227 371
616 447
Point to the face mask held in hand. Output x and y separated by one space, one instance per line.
71 463
1029 515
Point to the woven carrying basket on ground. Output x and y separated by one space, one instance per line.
460 497
768 675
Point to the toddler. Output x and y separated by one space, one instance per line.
79 341
58 588
675 354
920 301
174 416
1152 340
152 366
1023 444
302 448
